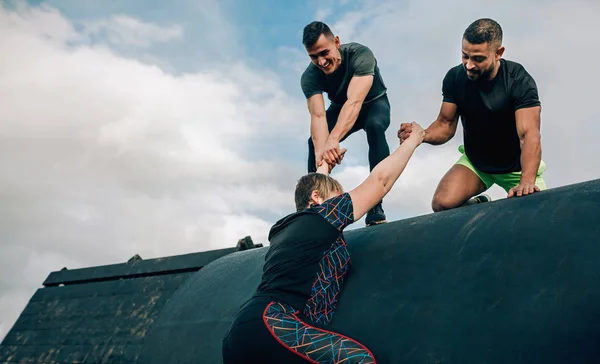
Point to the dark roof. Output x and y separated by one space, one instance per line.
100 314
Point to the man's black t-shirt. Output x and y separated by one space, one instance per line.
308 259
487 110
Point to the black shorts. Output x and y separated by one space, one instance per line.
267 331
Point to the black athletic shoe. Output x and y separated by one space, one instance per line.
375 216
479 199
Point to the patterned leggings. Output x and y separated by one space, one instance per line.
314 344
299 342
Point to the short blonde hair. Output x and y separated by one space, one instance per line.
324 184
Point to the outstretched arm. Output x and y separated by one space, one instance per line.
444 127
324 169
385 174
440 131
528 128
318 124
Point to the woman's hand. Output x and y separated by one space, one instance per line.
416 134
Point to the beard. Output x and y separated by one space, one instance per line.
480 75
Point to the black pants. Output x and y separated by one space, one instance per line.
374 119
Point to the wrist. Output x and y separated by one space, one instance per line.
323 168
527 180
334 137
412 142
527 176
426 136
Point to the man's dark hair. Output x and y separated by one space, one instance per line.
313 31
484 30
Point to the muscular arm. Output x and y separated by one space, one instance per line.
358 88
444 127
318 122
384 175
528 128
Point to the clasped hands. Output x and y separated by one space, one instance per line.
330 154
406 129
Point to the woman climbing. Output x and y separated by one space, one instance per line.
285 321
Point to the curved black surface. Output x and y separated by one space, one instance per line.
191 325
512 281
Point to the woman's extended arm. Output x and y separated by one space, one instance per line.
385 174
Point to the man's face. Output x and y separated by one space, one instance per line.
479 60
325 54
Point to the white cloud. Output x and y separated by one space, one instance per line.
128 31
322 14
103 157
43 22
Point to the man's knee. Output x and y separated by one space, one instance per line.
376 126
441 203
378 117
442 200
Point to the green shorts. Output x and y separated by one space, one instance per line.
505 180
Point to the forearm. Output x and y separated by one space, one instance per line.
439 132
531 156
323 169
346 119
319 131
389 170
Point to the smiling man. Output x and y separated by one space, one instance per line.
349 74
497 100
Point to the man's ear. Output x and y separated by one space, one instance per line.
499 53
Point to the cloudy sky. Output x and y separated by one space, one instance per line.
161 128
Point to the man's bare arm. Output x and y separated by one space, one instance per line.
444 127
319 131
528 128
358 88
